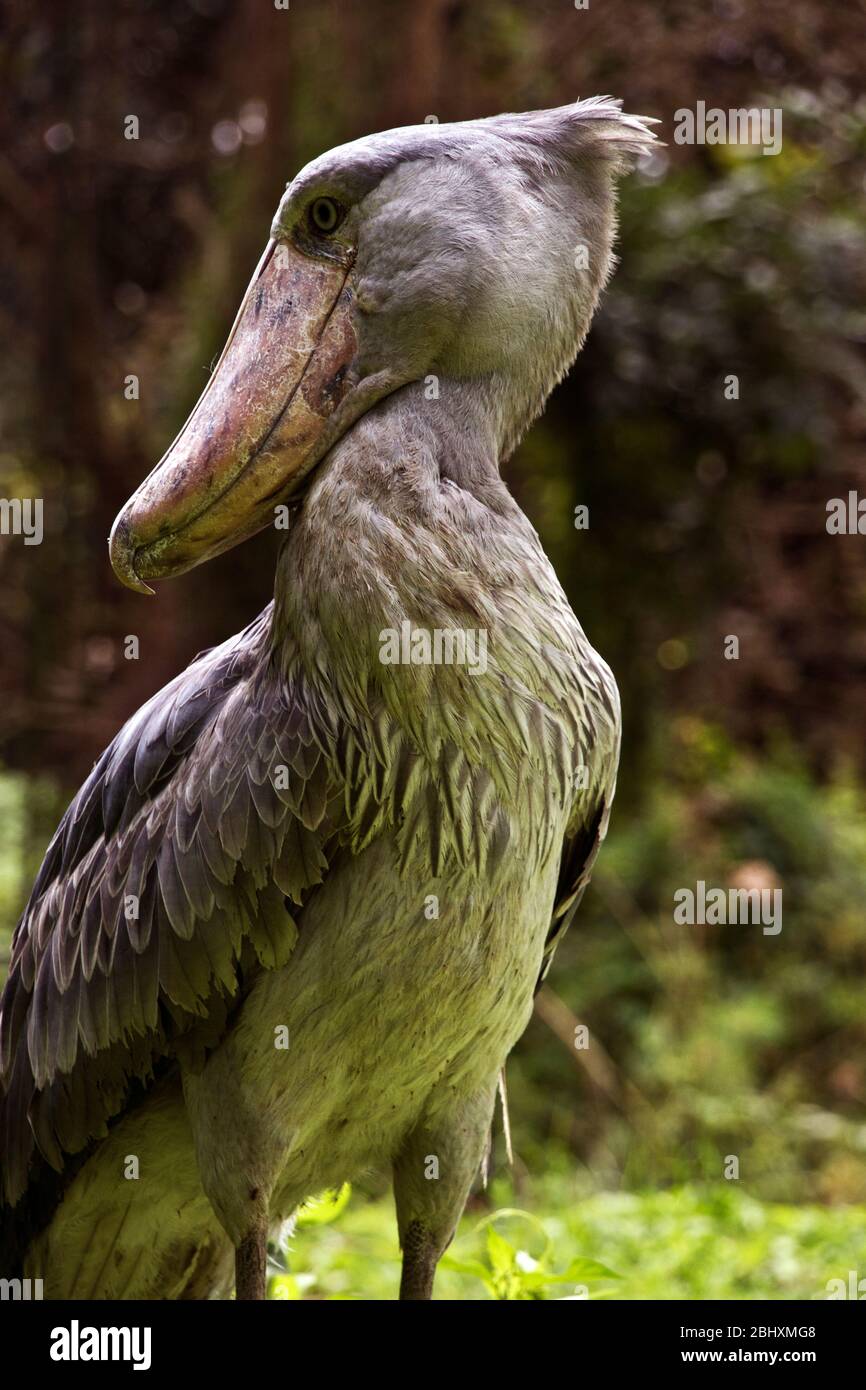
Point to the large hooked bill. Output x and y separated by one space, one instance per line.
259 427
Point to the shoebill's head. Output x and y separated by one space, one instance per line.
466 252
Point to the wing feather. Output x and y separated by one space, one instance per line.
134 931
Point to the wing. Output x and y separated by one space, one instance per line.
579 854
591 817
168 876
173 873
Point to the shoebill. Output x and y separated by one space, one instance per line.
292 924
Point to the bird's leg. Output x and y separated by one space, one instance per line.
432 1176
236 1162
420 1257
251 1258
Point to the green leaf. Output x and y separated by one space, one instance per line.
502 1253
581 1269
472 1267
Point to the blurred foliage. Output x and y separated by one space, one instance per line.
706 519
695 1242
717 1040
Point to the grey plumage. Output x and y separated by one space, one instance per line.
256 847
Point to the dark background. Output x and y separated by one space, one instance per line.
707 515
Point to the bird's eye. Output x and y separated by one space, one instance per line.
325 215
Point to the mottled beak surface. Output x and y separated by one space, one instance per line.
258 428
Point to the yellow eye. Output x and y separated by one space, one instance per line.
325 215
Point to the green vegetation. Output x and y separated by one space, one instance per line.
687 1243
712 1041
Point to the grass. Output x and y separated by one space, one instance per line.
690 1243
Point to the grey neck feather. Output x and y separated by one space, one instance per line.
405 517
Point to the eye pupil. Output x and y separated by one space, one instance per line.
325 214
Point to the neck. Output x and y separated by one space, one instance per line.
408 525
407 518
433 429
